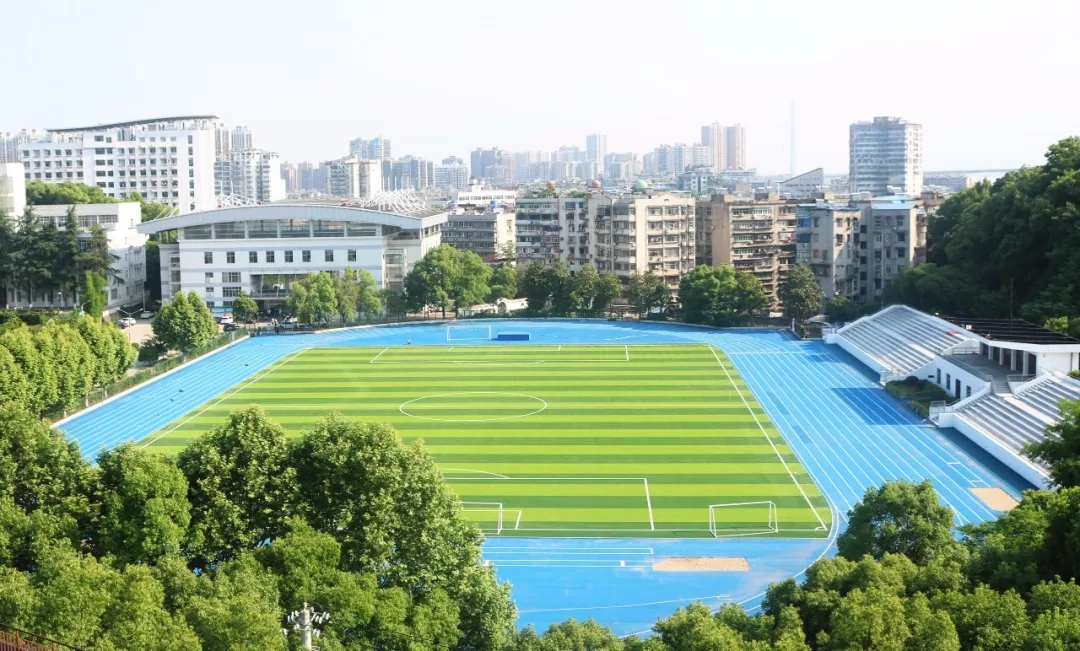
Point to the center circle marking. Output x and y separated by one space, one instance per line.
542 405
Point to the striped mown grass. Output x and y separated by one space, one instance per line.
539 440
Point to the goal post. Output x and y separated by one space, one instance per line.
743 519
488 516
468 333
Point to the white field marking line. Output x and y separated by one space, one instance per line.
648 502
227 394
627 352
379 355
518 523
449 349
768 438
401 407
649 603
482 472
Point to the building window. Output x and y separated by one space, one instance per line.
270 257
328 255
233 292
209 276
288 256
230 257
352 255
208 258
253 257
209 291
230 277
306 255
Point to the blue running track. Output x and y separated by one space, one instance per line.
847 431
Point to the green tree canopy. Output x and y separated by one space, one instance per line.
39 193
645 292
720 296
800 294
503 283
898 518
313 299
1060 449
185 323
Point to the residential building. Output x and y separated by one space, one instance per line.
700 181
353 178
304 176
827 237
241 139
481 220
804 185
410 173
892 237
262 250
735 148
288 174
452 174
251 174
886 157
375 149
119 222
11 143
12 189
222 140
626 234
596 150
167 160
712 136
755 237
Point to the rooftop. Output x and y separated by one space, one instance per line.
1014 330
134 123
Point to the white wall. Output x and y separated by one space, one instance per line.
949 374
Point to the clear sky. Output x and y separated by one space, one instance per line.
993 82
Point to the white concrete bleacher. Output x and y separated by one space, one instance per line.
1007 422
1045 396
901 339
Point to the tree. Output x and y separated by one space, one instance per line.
562 287
71 357
39 193
1060 449
646 291
143 503
244 307
586 284
369 301
503 284
930 288
32 258
66 265
607 289
347 293
8 244
534 286
151 210
240 485
720 296
153 271
898 518
841 310
94 294
106 357
800 294
28 376
471 284
444 276
395 303
185 323
312 299
385 502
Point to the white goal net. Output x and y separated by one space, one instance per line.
743 519
486 515
468 333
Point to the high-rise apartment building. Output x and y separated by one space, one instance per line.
482 160
12 189
735 148
755 237
304 181
288 174
827 240
222 140
241 139
481 220
596 150
451 174
353 178
712 136
11 143
251 174
374 149
886 157
410 173
168 161
627 234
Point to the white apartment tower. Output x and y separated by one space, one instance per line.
241 138
596 150
12 189
886 157
167 160
353 178
735 148
712 136
249 173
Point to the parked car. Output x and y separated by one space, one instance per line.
127 321
226 320
229 327
146 314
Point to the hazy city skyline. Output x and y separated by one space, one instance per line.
441 79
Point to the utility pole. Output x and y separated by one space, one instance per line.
304 622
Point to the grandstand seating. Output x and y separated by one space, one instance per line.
1044 396
1009 423
902 339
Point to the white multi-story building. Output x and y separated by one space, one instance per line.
712 136
167 160
119 221
249 173
453 176
886 157
596 150
802 186
11 143
354 178
735 148
481 220
241 138
642 231
262 250
12 189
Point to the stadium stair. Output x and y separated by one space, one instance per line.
901 339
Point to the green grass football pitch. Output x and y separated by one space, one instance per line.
546 440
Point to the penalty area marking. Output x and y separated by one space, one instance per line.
543 403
